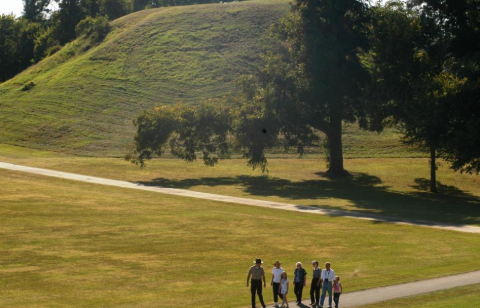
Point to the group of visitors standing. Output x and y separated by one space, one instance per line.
322 280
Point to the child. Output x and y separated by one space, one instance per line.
337 290
284 289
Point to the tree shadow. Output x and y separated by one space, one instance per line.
363 191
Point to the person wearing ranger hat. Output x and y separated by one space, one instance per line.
258 274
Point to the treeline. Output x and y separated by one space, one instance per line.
39 33
412 64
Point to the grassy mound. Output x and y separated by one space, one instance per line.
84 97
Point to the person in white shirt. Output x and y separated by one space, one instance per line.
327 277
276 277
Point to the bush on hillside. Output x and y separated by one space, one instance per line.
45 43
28 86
96 28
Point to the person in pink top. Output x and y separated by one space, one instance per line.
337 290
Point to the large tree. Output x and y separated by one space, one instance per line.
414 80
460 24
322 80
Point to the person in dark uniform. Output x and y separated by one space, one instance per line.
315 287
258 274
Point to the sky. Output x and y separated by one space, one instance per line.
11 6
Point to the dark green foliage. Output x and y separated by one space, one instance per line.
67 18
33 10
9 33
45 43
16 45
90 7
460 21
425 77
97 28
186 130
115 8
416 83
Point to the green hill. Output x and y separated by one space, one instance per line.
84 97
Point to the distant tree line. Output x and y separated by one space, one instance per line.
39 33
413 65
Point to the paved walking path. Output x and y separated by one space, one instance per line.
245 201
382 294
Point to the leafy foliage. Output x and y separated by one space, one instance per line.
186 130
97 28
17 45
417 83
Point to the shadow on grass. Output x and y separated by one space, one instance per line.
363 191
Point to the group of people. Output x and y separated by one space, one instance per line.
324 280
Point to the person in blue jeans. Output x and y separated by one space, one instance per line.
327 278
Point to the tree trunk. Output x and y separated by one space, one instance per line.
433 170
336 150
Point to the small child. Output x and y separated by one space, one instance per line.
337 290
284 289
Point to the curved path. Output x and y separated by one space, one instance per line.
382 294
245 201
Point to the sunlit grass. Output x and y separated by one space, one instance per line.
69 244
385 186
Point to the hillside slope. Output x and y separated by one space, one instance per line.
84 98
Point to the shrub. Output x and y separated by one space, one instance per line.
28 86
45 43
96 28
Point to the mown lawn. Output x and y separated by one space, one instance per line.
464 297
385 186
69 244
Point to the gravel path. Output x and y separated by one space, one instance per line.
378 295
245 201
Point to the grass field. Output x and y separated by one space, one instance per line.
465 297
393 187
68 244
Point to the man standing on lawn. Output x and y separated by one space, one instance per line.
315 287
328 276
258 274
276 277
